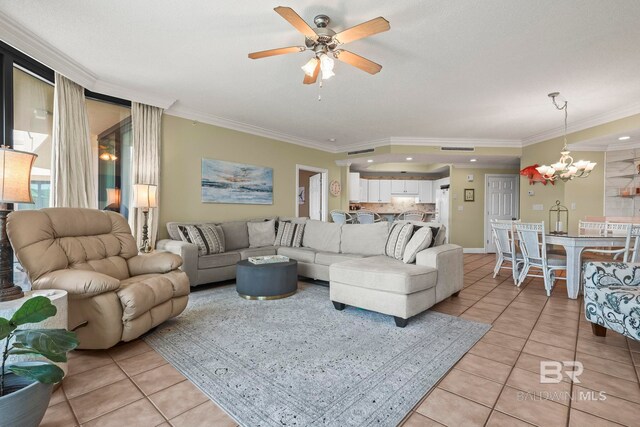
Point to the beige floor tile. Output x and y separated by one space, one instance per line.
612 408
556 340
103 400
86 360
605 351
496 353
419 420
555 330
57 396
85 382
633 344
612 339
548 351
472 387
141 363
531 363
125 350
504 340
531 383
582 419
476 316
204 415
141 413
59 415
605 366
158 379
453 410
597 381
542 412
177 399
508 328
484 367
498 419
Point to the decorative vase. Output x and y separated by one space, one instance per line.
26 405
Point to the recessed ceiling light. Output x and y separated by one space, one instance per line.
332 139
409 158
624 138
473 160
369 161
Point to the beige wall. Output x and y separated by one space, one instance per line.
588 193
467 226
185 144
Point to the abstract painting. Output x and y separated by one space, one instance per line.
228 182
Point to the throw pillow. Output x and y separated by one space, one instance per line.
420 240
289 234
261 233
208 238
399 236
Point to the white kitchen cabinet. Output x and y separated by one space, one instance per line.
411 187
397 186
354 187
401 187
379 191
425 191
364 190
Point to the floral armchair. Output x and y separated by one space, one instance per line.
612 297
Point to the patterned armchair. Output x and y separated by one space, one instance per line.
612 297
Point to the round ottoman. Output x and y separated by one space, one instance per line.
266 281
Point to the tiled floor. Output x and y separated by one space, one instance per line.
496 384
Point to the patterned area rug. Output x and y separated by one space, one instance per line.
299 362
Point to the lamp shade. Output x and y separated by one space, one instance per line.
15 175
145 196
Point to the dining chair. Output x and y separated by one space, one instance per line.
617 229
412 215
533 245
592 228
367 217
503 236
341 217
632 246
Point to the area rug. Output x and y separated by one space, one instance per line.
299 362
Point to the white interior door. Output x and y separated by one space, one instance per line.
501 202
315 196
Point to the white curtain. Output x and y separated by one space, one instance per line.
73 174
146 125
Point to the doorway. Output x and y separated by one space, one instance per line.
312 191
501 201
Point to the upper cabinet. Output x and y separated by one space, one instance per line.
354 187
400 187
425 192
364 190
379 190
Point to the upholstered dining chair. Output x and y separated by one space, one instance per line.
503 233
412 215
531 237
367 217
115 294
341 217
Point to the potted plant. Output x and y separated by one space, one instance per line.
25 387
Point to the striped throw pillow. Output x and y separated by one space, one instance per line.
289 234
399 236
209 238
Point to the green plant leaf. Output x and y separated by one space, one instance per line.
34 310
51 343
47 373
21 351
5 328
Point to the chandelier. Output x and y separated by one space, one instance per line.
565 169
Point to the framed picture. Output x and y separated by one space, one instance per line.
301 195
469 195
228 182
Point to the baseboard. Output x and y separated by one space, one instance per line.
473 250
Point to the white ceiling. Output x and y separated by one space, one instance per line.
396 161
461 69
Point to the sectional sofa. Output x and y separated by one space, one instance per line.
350 257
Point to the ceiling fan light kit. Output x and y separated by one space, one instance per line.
565 168
324 42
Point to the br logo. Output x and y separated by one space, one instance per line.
551 371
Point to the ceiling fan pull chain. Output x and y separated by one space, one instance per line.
319 88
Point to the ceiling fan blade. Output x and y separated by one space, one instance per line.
309 80
274 52
357 61
366 29
294 19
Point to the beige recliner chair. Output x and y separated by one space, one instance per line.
92 255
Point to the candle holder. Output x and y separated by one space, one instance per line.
558 219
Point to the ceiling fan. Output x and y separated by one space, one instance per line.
325 43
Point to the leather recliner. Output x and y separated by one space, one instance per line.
114 292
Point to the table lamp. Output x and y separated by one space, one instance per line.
145 198
15 187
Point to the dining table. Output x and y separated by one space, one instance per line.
574 245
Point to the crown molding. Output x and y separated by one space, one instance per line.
597 120
186 113
40 50
614 146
